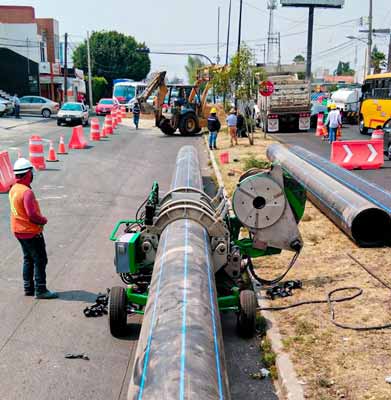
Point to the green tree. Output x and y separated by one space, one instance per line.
378 60
193 63
343 69
240 78
99 88
113 55
299 59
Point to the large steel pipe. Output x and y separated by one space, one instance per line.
180 350
372 192
364 222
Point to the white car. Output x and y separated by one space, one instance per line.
71 113
6 107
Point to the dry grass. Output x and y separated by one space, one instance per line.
332 363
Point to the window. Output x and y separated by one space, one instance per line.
106 101
25 100
38 100
71 107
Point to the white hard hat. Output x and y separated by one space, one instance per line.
22 166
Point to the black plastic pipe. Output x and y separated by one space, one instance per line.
372 192
363 221
180 352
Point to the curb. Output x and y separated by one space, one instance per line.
289 387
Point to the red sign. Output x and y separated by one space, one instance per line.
266 88
358 154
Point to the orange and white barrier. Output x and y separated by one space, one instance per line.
377 134
94 132
358 154
77 139
7 177
123 111
108 127
36 152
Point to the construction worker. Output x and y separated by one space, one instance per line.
16 101
136 113
232 121
333 121
27 224
213 127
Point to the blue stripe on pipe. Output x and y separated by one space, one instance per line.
153 320
349 185
212 305
184 310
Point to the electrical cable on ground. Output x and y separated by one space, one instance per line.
329 298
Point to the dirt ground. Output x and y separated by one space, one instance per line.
332 363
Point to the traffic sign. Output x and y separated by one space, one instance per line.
266 88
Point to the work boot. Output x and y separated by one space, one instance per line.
210 148
46 295
215 148
29 293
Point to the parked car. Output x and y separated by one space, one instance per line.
105 106
71 113
387 139
6 107
38 105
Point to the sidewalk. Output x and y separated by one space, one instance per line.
10 122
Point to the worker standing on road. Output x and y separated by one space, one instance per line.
232 121
16 105
213 127
27 225
136 113
334 121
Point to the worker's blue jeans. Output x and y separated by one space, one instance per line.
34 264
332 134
136 119
212 139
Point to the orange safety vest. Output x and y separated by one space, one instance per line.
20 222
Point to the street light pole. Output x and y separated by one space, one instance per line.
89 71
171 53
370 37
240 25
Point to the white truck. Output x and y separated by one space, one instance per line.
288 108
348 101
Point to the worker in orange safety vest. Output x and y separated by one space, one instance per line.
27 224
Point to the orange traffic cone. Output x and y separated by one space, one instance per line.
61 146
52 153
320 128
339 133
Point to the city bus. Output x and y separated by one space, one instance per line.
375 105
125 90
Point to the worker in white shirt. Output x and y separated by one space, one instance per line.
333 121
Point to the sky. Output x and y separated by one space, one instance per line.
191 26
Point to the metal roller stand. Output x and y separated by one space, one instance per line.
364 222
180 351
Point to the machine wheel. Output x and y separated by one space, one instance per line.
166 127
247 314
46 113
117 311
361 127
188 125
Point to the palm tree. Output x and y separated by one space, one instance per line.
193 63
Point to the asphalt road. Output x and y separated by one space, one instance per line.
83 196
308 140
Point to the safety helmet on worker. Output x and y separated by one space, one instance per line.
213 110
21 166
333 106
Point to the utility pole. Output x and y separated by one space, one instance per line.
218 36
370 37
89 71
389 56
65 67
228 31
279 52
240 25
309 42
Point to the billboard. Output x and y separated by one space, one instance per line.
314 3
